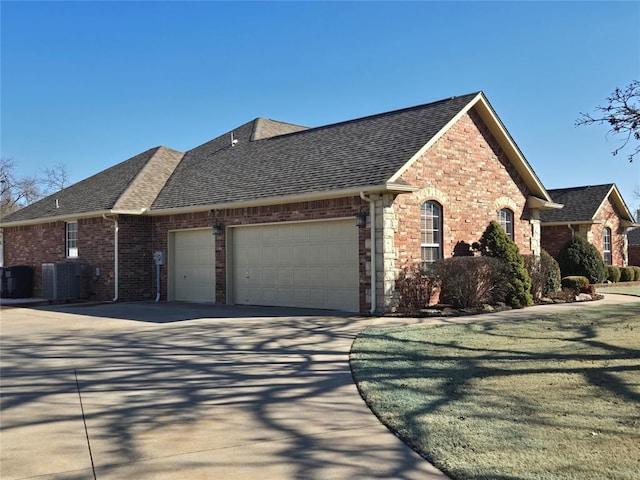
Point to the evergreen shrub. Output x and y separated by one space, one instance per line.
627 274
496 243
579 257
613 274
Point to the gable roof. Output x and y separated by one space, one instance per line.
128 187
266 162
581 204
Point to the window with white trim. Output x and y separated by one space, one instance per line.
505 219
431 230
72 239
606 245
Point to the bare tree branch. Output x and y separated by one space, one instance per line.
622 114
55 178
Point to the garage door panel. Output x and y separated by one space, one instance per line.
193 266
316 264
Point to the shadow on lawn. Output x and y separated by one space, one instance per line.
171 375
392 362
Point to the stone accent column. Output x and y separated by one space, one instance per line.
387 254
535 232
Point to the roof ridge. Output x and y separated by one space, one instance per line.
147 184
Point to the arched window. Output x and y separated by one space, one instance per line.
606 245
505 219
431 229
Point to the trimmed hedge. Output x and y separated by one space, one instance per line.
613 274
579 257
627 274
576 283
470 282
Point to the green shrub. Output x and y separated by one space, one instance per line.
472 281
636 276
613 274
544 272
577 283
415 288
496 243
627 274
579 257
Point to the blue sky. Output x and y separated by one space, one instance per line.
90 84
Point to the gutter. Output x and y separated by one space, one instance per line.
115 254
372 214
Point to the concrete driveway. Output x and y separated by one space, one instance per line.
174 391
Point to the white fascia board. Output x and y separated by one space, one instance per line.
70 217
535 202
627 216
577 222
261 202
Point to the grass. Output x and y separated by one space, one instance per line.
621 288
551 398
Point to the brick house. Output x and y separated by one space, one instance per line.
595 212
278 214
634 246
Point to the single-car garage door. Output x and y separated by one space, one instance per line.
301 264
193 266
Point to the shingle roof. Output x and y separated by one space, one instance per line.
129 185
580 203
634 236
357 153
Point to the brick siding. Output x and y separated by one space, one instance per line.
554 237
302 211
468 173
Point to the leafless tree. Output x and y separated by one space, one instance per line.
16 192
55 178
622 114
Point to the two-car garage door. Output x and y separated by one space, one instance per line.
300 264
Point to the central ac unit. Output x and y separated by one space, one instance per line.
61 281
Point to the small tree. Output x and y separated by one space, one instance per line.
579 257
496 243
622 114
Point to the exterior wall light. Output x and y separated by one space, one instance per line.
218 229
361 219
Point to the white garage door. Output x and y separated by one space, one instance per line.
194 271
305 264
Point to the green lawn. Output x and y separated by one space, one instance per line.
550 398
622 288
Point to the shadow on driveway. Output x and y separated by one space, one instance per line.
229 392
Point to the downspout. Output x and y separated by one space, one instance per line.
573 233
115 253
372 214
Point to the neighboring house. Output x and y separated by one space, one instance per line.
278 214
595 212
634 246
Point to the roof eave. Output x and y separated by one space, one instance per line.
572 222
71 217
390 187
541 204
